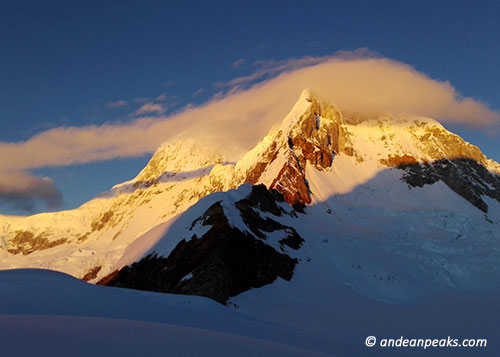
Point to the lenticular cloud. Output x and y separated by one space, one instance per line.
236 121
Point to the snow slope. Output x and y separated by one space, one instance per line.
400 220
366 225
45 313
332 154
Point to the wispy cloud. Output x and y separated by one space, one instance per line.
238 63
198 92
117 104
236 120
269 68
142 100
150 108
161 97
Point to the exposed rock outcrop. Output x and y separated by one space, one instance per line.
92 273
467 177
311 134
225 261
25 242
314 135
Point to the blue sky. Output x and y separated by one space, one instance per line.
81 63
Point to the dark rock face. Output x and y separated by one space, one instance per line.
398 160
92 273
467 177
291 182
25 242
313 139
101 223
269 156
264 200
225 261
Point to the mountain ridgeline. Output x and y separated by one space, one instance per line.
322 181
224 260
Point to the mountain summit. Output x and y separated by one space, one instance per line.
311 134
336 191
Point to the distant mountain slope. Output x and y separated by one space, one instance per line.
389 205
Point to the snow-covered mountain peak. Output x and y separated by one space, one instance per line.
179 157
309 117
316 156
392 140
312 133
173 161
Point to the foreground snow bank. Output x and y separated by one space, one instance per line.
46 313
39 335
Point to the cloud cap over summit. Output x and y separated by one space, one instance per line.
243 116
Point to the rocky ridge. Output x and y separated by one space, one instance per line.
226 259
311 134
314 137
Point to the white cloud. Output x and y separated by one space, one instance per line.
238 63
198 92
161 97
150 108
237 120
117 104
